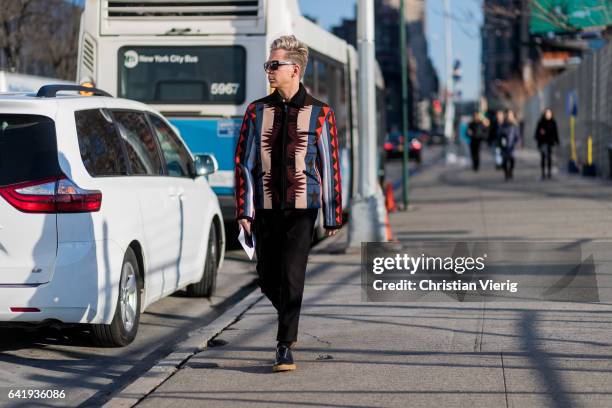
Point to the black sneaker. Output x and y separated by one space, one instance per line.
284 359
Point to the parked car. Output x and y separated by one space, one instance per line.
394 145
103 211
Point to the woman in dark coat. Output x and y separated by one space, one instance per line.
547 136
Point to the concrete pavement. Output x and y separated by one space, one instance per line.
352 353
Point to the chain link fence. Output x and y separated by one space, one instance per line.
590 86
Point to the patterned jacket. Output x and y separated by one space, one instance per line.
287 158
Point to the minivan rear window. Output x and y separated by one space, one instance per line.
28 148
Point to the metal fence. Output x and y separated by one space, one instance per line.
590 86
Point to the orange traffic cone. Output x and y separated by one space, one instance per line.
389 199
389 233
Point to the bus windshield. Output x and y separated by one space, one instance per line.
183 75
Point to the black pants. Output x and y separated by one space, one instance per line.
508 165
475 150
546 159
283 239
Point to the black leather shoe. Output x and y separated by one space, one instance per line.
284 360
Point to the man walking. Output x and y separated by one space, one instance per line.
287 167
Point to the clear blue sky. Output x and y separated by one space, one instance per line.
466 21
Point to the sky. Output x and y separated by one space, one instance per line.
466 18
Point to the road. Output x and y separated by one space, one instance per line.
67 360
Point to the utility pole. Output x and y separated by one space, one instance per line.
367 208
449 113
404 64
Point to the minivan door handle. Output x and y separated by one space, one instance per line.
172 192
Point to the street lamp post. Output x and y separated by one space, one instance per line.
367 208
449 113
406 142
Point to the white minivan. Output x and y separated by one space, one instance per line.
103 211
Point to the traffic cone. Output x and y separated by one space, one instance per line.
389 233
389 199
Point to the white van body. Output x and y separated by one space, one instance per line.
66 266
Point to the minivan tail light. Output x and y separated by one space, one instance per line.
33 196
71 198
51 195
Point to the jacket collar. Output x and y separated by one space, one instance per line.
297 101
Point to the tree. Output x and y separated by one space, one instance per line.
40 37
60 36
15 16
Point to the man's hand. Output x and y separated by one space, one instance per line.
246 224
330 232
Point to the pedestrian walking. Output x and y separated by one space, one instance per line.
495 131
510 136
546 136
477 132
287 168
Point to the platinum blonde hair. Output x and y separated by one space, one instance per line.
296 51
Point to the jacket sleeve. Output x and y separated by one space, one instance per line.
538 136
244 160
516 139
329 160
470 130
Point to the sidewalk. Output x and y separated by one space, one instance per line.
427 354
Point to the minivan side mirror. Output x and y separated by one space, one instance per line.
205 164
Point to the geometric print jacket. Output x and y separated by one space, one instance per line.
287 158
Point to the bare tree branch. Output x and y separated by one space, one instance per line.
40 37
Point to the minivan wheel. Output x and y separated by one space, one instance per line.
124 326
207 285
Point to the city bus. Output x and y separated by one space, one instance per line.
200 63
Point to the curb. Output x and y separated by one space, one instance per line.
196 342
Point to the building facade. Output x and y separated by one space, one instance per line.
505 49
423 79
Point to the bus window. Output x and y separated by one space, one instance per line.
332 85
322 91
183 75
309 76
343 87
341 109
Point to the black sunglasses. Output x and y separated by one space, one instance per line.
273 65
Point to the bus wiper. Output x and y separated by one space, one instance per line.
178 31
